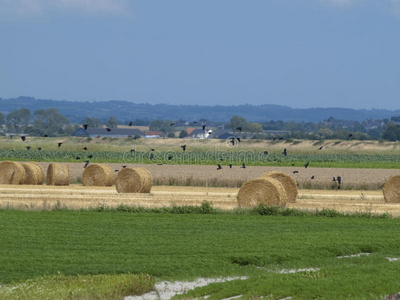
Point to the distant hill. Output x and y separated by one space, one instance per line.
127 111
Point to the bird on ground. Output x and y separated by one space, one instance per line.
294 172
306 165
284 152
86 164
265 152
90 156
85 148
123 167
239 128
169 157
23 138
39 148
85 126
59 145
292 165
130 123
116 170
183 147
334 179
339 180
77 157
219 167
274 138
312 177
151 156
45 135
221 159
204 127
281 138
230 166
151 149
320 148
243 166
108 129
132 150
28 147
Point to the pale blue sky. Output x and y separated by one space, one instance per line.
299 53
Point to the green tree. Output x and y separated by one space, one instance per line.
237 122
2 119
183 134
18 117
253 127
112 122
392 133
92 122
49 121
160 125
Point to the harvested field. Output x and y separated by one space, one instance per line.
77 196
206 175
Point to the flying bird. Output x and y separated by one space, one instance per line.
320 148
350 135
108 129
90 156
238 139
23 138
59 145
172 124
183 147
132 150
306 165
130 123
284 152
85 126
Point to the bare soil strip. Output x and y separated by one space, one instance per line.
31 197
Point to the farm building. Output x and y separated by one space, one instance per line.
114 132
200 134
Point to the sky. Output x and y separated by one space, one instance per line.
298 53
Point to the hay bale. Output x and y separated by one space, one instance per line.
11 172
34 173
98 175
58 174
148 182
288 183
391 190
130 180
257 191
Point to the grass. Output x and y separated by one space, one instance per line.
209 243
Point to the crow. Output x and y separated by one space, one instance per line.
90 156
239 128
172 124
169 157
238 139
243 166
219 167
320 148
221 159
59 145
130 123
306 165
312 177
230 166
45 135
108 129
77 157
350 135
281 138
86 164
334 179
132 150
284 152
294 172
23 138
339 180
183 147
274 138
204 127
265 152
123 167
39 148
151 156
85 148
151 149
85 126
28 147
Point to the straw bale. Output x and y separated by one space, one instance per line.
34 173
58 174
288 183
257 191
11 172
130 180
148 182
391 190
98 175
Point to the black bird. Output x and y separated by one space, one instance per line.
59 145
86 164
221 159
172 124
130 123
194 122
90 156
219 167
239 128
339 179
281 138
238 139
169 157
85 148
77 157
151 149
204 127
116 170
312 177
306 165
132 150
334 179
151 156
39 148
292 165
232 141
265 152
108 129
28 147
350 135
85 126
45 135
183 147
284 152
123 167
243 166
320 148
274 138
294 172
230 166
23 138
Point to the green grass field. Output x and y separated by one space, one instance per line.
186 246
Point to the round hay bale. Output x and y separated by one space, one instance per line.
34 173
391 190
257 191
130 180
148 182
11 172
98 175
288 183
58 174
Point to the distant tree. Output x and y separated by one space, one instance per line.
237 122
253 127
112 122
183 134
160 125
171 135
392 133
395 119
2 119
49 121
92 122
18 117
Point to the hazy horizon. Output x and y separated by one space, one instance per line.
300 54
